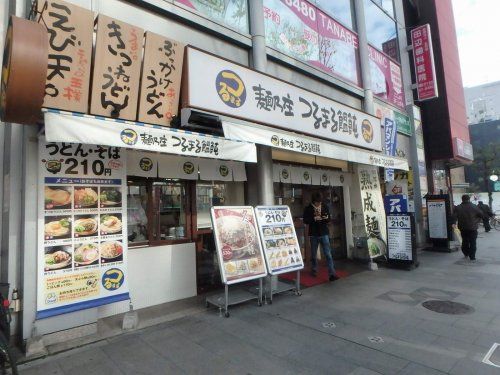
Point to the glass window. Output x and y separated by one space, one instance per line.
381 30
341 10
169 210
233 13
210 194
137 209
386 5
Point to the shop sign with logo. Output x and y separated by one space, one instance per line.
238 244
240 92
373 210
279 240
463 149
390 144
423 60
396 204
117 71
82 227
142 164
386 78
70 29
161 79
403 124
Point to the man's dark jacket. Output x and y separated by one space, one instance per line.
485 209
320 227
468 216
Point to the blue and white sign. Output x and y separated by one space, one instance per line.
390 144
396 204
399 237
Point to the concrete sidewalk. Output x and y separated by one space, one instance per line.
368 323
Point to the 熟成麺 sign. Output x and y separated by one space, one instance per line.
240 92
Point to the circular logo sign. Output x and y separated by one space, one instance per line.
146 164
367 131
113 279
306 176
223 170
227 252
128 136
188 167
285 174
342 178
230 88
324 177
275 140
53 166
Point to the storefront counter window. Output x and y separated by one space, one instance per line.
210 194
137 209
169 209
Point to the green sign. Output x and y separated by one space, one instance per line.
403 124
496 186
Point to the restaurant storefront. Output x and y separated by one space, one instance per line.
125 177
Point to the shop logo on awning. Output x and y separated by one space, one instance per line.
129 137
223 170
284 174
146 164
367 131
231 88
113 279
275 140
306 176
324 177
188 167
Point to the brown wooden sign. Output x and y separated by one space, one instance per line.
70 30
161 79
117 69
24 69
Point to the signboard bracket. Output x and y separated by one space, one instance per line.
224 300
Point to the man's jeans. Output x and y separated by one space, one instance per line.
327 252
469 243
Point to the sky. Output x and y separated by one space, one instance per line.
477 23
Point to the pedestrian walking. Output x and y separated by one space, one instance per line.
487 215
468 216
317 217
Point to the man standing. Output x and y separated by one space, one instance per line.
468 216
317 217
487 214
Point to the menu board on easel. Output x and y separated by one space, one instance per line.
281 246
238 245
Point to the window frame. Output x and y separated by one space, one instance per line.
393 19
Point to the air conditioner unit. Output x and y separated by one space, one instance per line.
200 121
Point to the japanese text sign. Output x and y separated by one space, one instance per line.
70 30
386 78
161 80
390 144
237 91
423 60
373 210
117 71
395 204
399 237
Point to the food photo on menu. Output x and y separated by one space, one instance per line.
85 225
58 258
111 251
86 254
110 197
57 197
57 227
111 223
85 197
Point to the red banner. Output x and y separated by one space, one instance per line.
423 59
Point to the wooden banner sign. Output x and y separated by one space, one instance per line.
70 29
23 71
161 79
117 69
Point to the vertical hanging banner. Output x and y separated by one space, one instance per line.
390 145
82 227
373 210
70 30
423 60
117 69
161 80
386 78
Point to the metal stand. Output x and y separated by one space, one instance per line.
223 301
283 287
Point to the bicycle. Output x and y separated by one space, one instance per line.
495 222
7 362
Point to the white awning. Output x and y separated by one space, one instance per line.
79 128
308 145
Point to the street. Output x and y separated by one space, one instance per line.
367 323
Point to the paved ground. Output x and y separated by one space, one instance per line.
369 323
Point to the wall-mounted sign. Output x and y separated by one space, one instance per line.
403 123
387 83
237 91
279 240
423 60
373 210
82 227
396 204
238 244
115 84
24 68
70 30
390 144
161 79
463 149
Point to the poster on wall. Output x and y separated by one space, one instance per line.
82 227
399 237
373 210
279 240
436 215
238 244
299 29
386 78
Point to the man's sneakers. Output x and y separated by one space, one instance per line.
333 277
